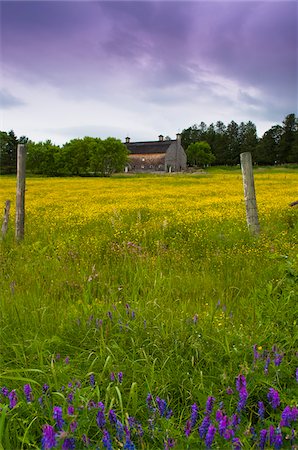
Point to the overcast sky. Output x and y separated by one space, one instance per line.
116 68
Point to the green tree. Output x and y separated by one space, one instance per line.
248 138
8 152
110 156
199 154
42 158
75 156
290 125
268 146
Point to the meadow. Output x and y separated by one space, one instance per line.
139 313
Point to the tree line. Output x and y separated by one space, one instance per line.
217 144
89 155
278 145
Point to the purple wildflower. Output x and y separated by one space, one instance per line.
106 440
4 391
162 406
66 361
243 394
256 353
286 417
109 314
266 366
278 439
45 388
223 425
70 410
261 410
297 374
228 434
13 399
278 359
236 443
229 391
57 416
187 429
92 380
194 414
112 376
169 443
149 400
235 421
28 393
120 377
273 398
100 418
119 430
73 426
48 437
195 319
209 404
240 382
112 417
204 426
219 415
86 440
69 444
210 436
263 438
271 433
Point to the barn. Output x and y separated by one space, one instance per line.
163 155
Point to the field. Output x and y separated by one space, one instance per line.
139 313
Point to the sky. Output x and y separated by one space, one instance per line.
71 69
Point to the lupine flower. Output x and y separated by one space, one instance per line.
149 400
70 410
119 430
219 415
169 443
73 426
297 374
228 434
243 394
28 393
278 359
109 314
86 440
120 377
266 367
236 443
229 391
112 417
240 382
263 438
235 421
194 414
187 429
92 380
286 417
100 418
69 444
70 397
210 436
129 445
209 404
195 319
273 398
4 391
45 388
204 426
66 361
278 439
261 410
106 440
13 399
162 406
112 376
256 353
48 440
271 434
223 425
57 416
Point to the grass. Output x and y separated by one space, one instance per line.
155 277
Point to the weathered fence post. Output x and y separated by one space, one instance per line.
5 219
249 193
20 198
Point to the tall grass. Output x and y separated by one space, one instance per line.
157 278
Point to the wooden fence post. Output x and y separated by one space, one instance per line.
20 198
249 193
5 219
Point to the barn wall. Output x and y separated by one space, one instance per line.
147 162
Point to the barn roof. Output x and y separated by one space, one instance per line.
142 148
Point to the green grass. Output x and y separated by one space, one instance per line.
186 312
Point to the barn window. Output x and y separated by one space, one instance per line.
143 159
142 167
